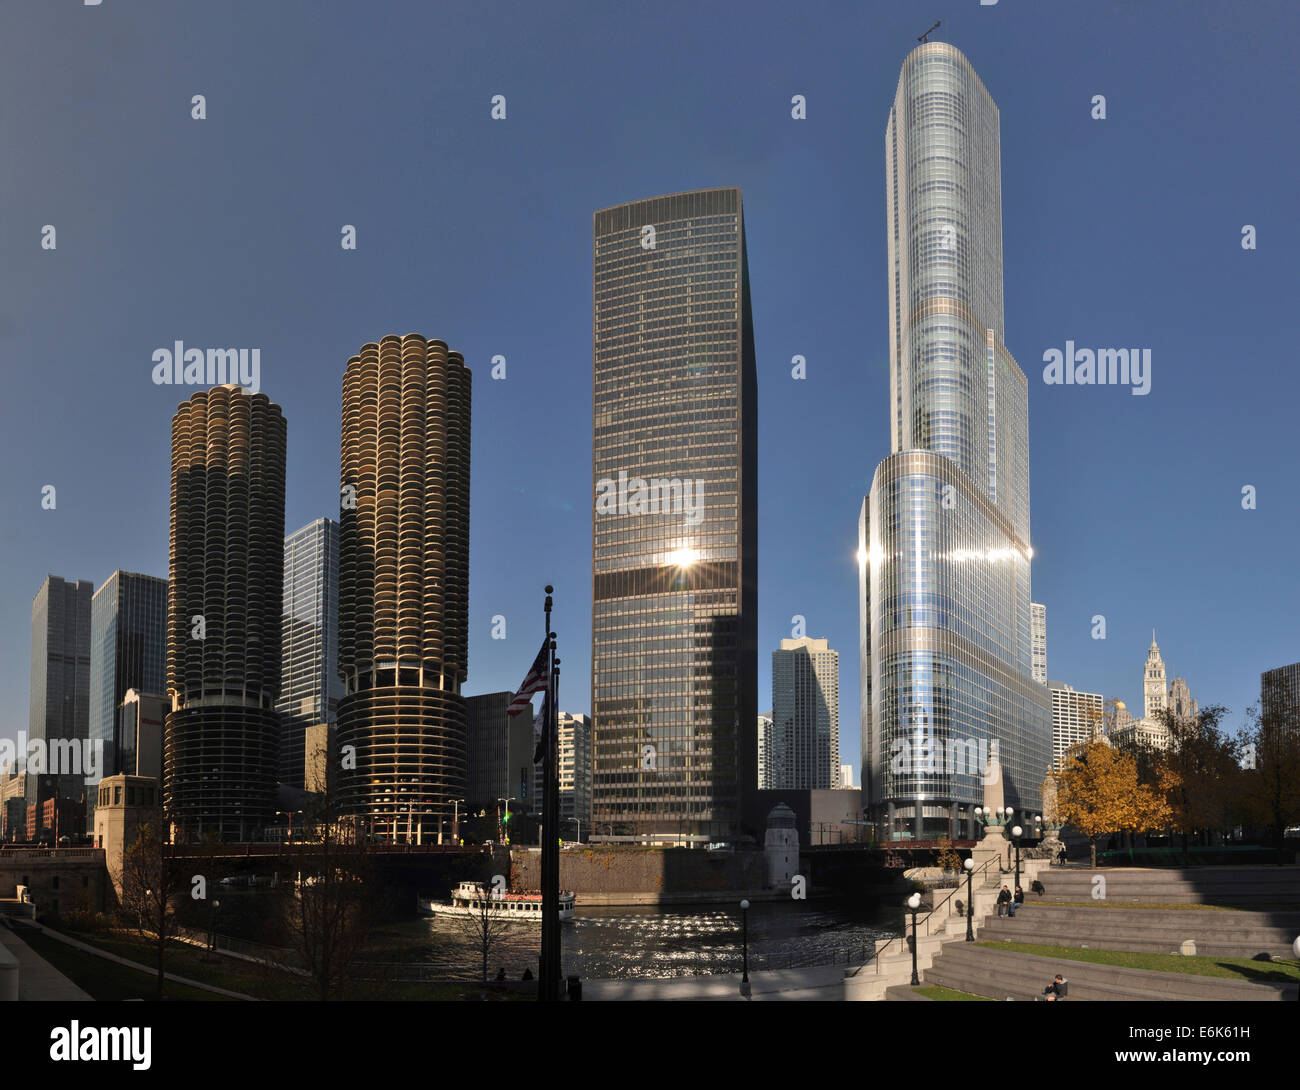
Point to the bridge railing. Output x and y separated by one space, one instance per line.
51 853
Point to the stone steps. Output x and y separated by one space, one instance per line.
1233 919
1245 887
1139 944
998 974
1216 934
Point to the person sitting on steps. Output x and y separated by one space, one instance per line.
1056 989
1004 899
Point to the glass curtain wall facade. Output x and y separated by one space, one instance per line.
310 685
59 702
674 531
944 554
128 650
1278 686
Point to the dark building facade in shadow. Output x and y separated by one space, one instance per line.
222 735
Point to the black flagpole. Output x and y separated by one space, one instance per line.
548 986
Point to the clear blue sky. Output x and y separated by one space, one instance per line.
225 232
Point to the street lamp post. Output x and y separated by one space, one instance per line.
1016 833
744 931
970 903
289 814
914 902
502 831
212 926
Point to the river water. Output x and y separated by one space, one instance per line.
654 941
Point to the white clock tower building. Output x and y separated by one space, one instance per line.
1155 691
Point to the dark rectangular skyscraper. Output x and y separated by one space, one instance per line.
59 708
128 650
674 531
500 754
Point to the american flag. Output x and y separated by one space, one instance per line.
535 682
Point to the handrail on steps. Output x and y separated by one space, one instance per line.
979 870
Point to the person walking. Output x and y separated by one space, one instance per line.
1004 899
1060 857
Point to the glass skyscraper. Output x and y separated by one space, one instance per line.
310 685
59 705
944 553
128 650
674 531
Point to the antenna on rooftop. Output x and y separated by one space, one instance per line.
926 36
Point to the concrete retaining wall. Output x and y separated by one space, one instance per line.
57 881
636 876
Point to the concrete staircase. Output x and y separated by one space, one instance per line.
1242 887
999 974
1225 934
893 962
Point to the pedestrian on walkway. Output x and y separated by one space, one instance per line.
1004 899
1060 857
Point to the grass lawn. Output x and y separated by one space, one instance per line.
1276 972
105 981
189 961
941 994
261 981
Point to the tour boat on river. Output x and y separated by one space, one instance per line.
468 899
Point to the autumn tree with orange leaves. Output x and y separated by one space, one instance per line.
1098 792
